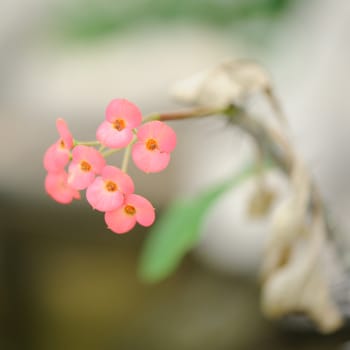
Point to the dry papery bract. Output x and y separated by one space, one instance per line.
293 276
294 279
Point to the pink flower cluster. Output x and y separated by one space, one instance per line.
73 166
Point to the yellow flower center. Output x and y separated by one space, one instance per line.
151 144
111 186
119 124
130 210
85 166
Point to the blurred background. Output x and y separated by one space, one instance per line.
66 282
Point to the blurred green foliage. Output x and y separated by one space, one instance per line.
178 229
88 19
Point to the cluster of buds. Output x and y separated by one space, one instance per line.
73 166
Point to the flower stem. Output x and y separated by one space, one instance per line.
150 118
110 151
127 157
198 112
87 143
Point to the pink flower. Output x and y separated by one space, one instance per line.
57 155
152 152
121 117
135 209
86 163
57 187
107 191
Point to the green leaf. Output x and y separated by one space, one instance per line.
106 17
178 229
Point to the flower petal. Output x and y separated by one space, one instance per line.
64 132
111 137
123 180
145 213
79 179
56 158
161 132
57 187
149 161
89 155
119 221
124 109
101 199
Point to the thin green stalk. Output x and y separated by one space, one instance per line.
127 157
151 117
110 151
87 143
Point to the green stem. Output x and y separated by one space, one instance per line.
87 143
110 151
150 118
127 156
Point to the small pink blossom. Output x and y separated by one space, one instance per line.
134 209
57 155
86 163
122 117
65 135
57 187
107 191
151 153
